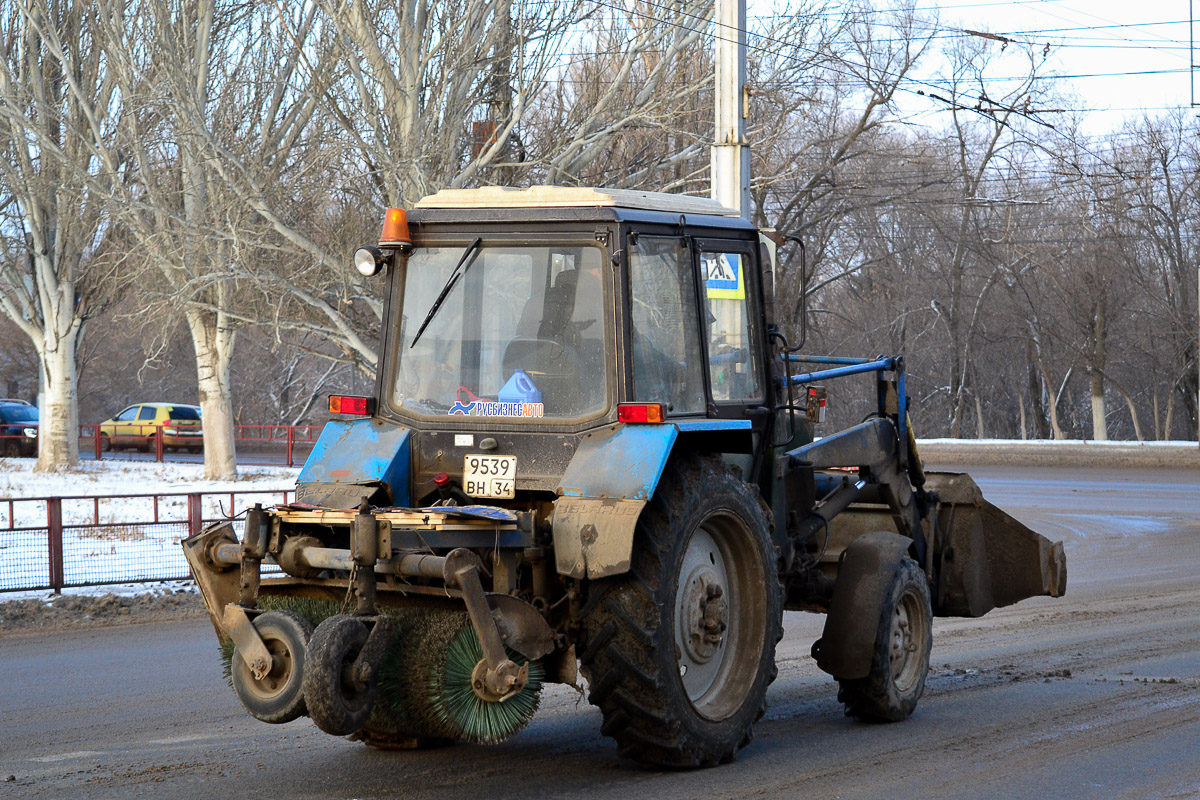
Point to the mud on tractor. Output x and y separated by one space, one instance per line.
590 449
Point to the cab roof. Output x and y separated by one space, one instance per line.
546 207
573 197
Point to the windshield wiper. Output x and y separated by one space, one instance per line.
468 258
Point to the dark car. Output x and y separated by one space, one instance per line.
18 429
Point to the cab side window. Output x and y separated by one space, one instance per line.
147 412
127 415
733 361
667 364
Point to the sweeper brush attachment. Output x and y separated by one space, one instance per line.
427 685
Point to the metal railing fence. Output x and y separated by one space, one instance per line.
284 445
60 542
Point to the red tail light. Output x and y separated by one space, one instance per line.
641 412
345 404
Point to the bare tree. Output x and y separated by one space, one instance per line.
631 107
209 90
57 106
986 127
162 55
1160 201
825 85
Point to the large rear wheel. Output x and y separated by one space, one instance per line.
680 650
900 662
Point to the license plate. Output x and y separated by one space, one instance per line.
490 476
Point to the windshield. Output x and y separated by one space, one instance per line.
519 335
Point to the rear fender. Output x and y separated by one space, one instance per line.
351 460
864 576
611 477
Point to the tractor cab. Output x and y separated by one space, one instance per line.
558 312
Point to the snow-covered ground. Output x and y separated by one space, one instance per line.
17 479
107 547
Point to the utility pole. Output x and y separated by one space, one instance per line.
730 151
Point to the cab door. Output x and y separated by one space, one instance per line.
731 326
664 332
732 335
695 326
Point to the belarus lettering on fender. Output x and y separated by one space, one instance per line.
489 408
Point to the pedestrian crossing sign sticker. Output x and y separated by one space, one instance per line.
723 276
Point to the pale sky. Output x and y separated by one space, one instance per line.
1118 57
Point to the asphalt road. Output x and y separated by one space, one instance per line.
1095 695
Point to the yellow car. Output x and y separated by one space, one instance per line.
138 425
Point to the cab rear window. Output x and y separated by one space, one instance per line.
184 413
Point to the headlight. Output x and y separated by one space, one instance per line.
369 259
31 433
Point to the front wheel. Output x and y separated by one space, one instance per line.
105 443
680 650
900 662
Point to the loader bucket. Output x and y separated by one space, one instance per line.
984 558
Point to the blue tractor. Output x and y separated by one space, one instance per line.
591 450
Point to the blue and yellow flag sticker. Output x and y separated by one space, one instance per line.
723 276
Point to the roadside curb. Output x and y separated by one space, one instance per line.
940 452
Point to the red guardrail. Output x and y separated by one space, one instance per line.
264 444
57 542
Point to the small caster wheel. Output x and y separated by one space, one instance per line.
338 700
279 696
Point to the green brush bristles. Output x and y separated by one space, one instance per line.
414 662
476 719
313 609
226 645
400 719
425 684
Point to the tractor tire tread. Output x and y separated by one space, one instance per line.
875 698
329 705
622 621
